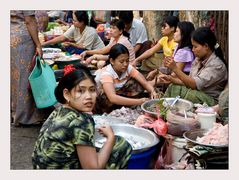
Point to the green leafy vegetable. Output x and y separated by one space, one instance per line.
163 109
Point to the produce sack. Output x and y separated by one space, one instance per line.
43 82
178 124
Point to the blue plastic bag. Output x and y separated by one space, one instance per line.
43 83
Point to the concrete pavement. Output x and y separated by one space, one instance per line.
22 142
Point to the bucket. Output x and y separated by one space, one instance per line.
177 148
206 120
142 160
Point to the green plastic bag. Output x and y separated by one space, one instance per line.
43 83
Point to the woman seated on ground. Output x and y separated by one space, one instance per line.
182 55
66 139
208 75
84 37
118 35
120 83
166 43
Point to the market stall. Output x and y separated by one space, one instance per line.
185 145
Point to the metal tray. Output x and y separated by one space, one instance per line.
67 59
51 50
192 135
141 139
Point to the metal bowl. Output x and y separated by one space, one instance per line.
192 135
181 104
141 139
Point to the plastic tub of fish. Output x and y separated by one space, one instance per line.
143 141
142 160
149 107
140 139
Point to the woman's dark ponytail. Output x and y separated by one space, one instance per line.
219 53
126 34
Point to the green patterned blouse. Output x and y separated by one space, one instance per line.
55 147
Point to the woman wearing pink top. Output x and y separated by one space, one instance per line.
118 35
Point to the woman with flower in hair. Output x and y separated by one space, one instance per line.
208 75
66 139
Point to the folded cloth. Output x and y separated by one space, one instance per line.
200 150
73 50
208 157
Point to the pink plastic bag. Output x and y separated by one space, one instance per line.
159 126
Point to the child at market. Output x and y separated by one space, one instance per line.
120 83
166 43
66 138
182 55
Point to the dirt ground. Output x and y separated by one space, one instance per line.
22 142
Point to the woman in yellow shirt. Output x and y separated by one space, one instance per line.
166 43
